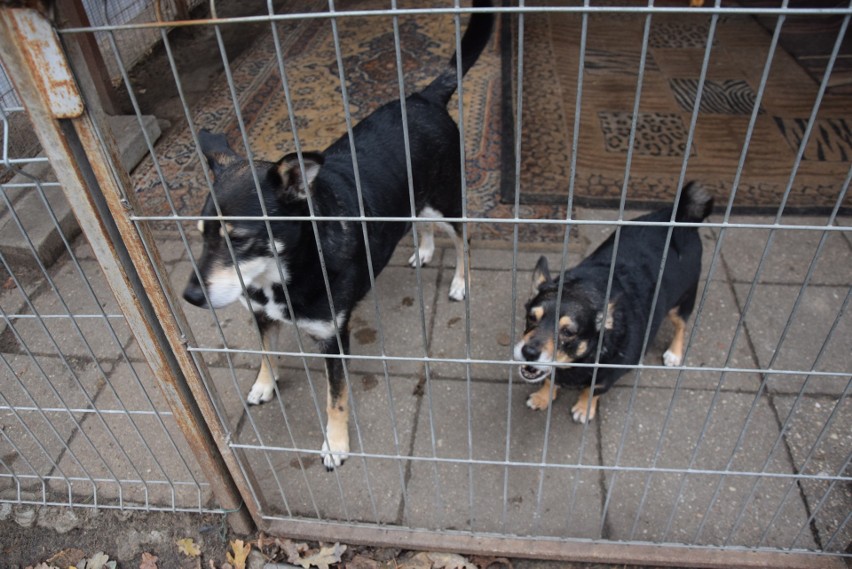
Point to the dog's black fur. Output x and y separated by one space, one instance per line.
582 312
330 179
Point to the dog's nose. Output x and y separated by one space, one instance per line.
193 294
530 352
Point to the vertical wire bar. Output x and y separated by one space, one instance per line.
793 312
575 143
285 85
181 231
252 167
767 248
369 256
515 228
417 267
466 260
628 163
716 255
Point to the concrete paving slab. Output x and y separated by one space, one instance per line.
31 447
696 505
296 483
491 334
73 291
49 383
807 335
710 346
790 255
141 459
820 442
505 498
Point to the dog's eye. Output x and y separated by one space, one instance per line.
566 333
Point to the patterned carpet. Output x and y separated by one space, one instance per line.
669 91
550 86
370 69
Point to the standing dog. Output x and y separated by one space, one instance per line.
260 263
576 322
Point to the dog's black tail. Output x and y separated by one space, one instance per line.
473 43
695 205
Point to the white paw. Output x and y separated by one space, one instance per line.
425 257
457 289
578 412
334 457
671 359
260 393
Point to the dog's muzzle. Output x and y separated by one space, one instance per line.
530 372
194 294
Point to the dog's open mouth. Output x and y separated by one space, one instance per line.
532 374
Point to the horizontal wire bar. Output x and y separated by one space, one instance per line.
48 477
61 316
70 410
512 362
462 10
552 465
504 220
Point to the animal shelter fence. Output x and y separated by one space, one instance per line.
117 396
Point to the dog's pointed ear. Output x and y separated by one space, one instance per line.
293 179
541 275
216 149
610 317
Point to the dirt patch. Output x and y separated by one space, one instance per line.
123 536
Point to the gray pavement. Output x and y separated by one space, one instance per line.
453 446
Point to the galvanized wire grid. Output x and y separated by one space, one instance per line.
278 444
81 421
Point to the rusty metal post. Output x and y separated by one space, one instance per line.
83 157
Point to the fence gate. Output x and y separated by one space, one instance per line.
573 118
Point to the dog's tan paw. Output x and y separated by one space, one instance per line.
540 400
671 359
261 392
334 453
457 288
582 411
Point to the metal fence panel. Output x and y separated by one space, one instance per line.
740 454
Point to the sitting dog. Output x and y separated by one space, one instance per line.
254 272
575 324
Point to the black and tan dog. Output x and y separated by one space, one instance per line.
576 323
261 260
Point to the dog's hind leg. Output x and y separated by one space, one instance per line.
678 317
264 386
458 286
335 448
427 244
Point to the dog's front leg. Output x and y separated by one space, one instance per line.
264 386
335 449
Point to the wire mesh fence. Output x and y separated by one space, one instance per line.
571 114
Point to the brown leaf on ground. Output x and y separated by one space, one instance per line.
149 561
241 552
325 557
281 549
362 562
9 284
187 547
434 560
491 562
66 558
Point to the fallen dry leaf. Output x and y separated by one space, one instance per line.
149 561
325 557
362 562
187 547
434 560
241 552
99 560
67 558
293 550
488 562
8 285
